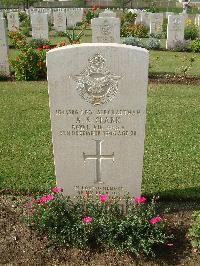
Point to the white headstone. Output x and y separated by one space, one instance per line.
59 21
105 30
168 14
98 113
138 19
74 15
197 20
175 30
13 21
39 22
156 23
145 18
1 15
4 65
107 14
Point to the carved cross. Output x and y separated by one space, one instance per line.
98 157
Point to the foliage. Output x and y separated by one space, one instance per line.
90 14
181 46
39 43
195 45
25 27
165 22
99 221
128 18
191 32
187 65
17 38
152 44
60 34
132 41
30 64
74 37
24 3
22 16
194 231
138 30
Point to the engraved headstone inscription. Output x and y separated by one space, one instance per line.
105 30
156 23
4 64
13 21
98 113
39 23
175 30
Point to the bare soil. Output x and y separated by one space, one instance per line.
174 79
21 246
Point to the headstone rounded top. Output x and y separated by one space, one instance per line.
107 13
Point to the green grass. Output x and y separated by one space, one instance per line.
174 62
160 61
172 149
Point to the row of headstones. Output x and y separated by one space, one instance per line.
59 18
105 29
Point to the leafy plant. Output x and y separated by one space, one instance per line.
195 45
191 32
128 18
39 43
30 64
194 231
152 44
99 221
181 46
16 37
132 41
138 30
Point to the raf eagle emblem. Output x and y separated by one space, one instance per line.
96 84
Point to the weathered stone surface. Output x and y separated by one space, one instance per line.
39 22
13 21
105 30
98 96
4 65
156 23
175 30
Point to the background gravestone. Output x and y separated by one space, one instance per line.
105 30
59 21
175 30
156 23
107 13
98 113
74 15
4 65
13 21
39 23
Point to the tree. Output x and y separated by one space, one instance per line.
17 3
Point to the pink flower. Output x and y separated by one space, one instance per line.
155 220
33 211
140 200
43 200
87 220
57 190
50 197
103 198
29 205
36 201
